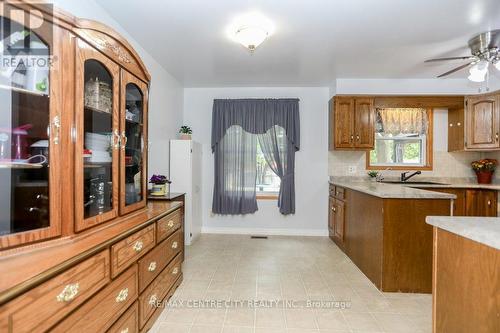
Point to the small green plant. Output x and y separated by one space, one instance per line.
372 173
186 130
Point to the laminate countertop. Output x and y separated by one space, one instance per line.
484 230
388 191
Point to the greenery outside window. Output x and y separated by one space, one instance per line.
268 183
403 140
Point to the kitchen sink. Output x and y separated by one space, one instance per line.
411 183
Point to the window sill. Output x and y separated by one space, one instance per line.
399 167
267 197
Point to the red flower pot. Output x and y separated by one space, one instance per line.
484 177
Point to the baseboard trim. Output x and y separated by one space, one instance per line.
262 231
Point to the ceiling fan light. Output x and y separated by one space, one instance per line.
481 68
497 64
477 77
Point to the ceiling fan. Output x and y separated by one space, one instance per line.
485 51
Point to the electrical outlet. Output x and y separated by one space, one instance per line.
351 169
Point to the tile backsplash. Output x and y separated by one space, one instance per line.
444 164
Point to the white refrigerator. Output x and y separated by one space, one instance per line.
185 174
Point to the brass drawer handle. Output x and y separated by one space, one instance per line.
56 123
174 245
170 223
153 299
122 296
138 246
125 330
152 266
124 140
489 202
69 292
175 271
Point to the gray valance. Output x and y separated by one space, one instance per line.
256 116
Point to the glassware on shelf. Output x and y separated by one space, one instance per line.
98 95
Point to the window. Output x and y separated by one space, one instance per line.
268 183
402 140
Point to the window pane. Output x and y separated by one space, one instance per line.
267 181
398 151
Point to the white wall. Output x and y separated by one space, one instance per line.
166 94
311 174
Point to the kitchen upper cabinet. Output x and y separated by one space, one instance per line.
481 203
482 122
456 129
353 123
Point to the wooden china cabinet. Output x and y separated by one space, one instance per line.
73 175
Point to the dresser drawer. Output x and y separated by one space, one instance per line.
128 322
156 312
167 225
153 263
101 312
42 307
127 251
157 290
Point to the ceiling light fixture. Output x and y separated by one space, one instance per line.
250 30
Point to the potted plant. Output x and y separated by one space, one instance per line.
484 170
185 132
372 174
159 184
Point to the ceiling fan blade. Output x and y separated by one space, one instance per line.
456 69
451 58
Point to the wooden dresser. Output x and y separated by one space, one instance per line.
81 249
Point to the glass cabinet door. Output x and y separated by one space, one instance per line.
133 146
29 134
97 144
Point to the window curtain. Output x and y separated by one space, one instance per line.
397 121
275 123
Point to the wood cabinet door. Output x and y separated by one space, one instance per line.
331 216
458 204
97 86
482 122
344 122
364 123
456 129
339 221
133 143
33 128
481 203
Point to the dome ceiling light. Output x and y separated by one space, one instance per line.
250 30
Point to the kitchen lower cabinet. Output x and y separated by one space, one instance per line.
387 239
465 285
472 202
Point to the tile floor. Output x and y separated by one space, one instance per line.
221 268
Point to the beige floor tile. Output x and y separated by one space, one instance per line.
180 315
240 317
237 329
173 328
211 317
361 321
270 318
392 323
269 330
331 319
205 329
300 318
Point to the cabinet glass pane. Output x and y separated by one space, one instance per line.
134 144
24 129
98 145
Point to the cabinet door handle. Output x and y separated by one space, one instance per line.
56 125
357 137
69 292
170 223
459 124
152 266
352 138
116 139
496 137
125 330
122 296
153 299
334 209
138 246
174 245
489 202
175 271
124 140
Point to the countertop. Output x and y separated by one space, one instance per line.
387 191
409 190
484 230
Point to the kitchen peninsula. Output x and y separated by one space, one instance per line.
382 228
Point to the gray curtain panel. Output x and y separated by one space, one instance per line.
236 125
